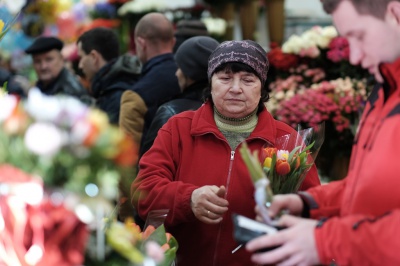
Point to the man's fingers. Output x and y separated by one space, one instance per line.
265 241
289 220
270 257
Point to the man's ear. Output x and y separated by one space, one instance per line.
393 12
142 42
96 57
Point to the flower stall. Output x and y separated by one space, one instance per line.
61 165
312 81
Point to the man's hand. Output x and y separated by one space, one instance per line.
288 202
296 244
208 204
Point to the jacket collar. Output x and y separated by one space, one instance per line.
204 123
156 60
391 74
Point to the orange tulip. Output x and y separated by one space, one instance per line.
268 152
282 167
149 230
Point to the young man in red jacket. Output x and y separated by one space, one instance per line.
355 221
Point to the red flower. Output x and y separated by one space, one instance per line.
268 152
282 61
282 167
338 50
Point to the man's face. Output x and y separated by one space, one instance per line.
86 63
48 65
372 41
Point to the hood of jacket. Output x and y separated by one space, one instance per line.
124 69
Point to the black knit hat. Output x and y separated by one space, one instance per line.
191 28
44 44
245 52
192 56
186 29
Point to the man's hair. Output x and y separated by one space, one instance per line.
103 40
156 28
376 8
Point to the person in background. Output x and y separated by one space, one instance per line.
354 221
275 19
186 29
192 60
248 13
154 39
194 169
108 73
53 77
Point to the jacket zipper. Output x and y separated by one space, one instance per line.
232 157
228 181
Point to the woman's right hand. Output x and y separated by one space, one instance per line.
288 202
208 204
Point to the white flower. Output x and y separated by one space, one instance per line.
7 105
154 251
62 109
279 95
215 26
42 107
329 32
289 94
282 155
142 6
44 139
14 6
293 45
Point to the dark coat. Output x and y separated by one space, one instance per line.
65 83
111 81
191 99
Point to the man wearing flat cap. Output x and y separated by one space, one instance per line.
53 77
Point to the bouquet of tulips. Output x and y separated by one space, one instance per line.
34 228
283 167
286 168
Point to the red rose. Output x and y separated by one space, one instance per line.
281 60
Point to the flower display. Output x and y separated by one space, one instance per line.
215 26
34 229
312 81
153 245
142 6
64 142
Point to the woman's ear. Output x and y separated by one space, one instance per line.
393 12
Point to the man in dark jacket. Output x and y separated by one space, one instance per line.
108 73
192 60
53 77
154 39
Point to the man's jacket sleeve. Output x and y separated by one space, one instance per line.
132 112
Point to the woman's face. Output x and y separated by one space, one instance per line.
235 95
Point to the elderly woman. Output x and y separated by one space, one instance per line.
194 168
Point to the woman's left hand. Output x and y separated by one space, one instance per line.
208 204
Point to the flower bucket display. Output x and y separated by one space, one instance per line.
312 81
